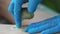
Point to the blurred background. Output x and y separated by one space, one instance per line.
45 9
53 4
5 17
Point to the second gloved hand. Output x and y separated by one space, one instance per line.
48 26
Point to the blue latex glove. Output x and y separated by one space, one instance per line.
48 26
16 6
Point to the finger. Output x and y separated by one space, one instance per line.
40 23
49 20
36 24
41 28
53 21
17 12
11 8
33 25
32 5
51 30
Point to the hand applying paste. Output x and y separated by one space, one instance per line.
16 6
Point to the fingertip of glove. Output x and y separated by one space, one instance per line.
30 11
26 29
31 30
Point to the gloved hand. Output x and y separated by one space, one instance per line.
48 26
16 6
